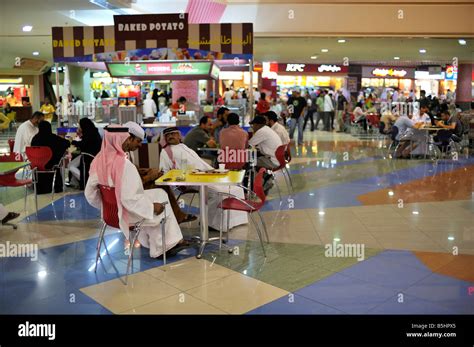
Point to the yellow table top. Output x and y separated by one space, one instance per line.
228 179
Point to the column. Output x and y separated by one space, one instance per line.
464 86
188 89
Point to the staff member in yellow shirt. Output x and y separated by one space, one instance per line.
48 110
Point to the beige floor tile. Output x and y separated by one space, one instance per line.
415 236
190 273
237 294
140 290
182 303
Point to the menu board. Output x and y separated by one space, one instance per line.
165 70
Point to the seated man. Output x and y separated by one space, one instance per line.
266 141
233 139
406 136
150 175
221 122
272 122
111 168
176 154
452 129
199 137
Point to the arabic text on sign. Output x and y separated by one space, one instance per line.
329 68
389 72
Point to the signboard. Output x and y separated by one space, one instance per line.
387 72
451 72
215 71
163 70
309 68
151 26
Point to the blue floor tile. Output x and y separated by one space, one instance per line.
445 291
346 294
408 304
384 272
294 305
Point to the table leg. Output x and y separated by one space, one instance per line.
204 221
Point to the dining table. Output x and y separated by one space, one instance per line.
203 180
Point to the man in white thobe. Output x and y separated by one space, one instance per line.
26 132
177 155
135 203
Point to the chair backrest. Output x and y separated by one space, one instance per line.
10 157
258 186
11 144
39 156
109 206
280 154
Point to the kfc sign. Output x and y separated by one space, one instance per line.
295 67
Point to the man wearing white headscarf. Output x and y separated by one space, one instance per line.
111 168
176 154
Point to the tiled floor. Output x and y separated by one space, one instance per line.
414 219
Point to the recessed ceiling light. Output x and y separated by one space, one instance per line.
36 53
396 58
341 41
462 42
314 57
324 50
27 28
422 50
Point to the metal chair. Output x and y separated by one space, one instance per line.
83 180
39 156
110 218
280 154
233 203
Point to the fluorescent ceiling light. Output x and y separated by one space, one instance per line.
462 42
341 41
422 50
27 28
324 50
314 57
396 58
36 53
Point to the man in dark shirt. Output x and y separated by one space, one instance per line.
199 137
452 129
297 106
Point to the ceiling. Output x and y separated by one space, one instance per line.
44 14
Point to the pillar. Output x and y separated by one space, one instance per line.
188 89
464 86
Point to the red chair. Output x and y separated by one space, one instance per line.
233 203
11 144
9 180
280 154
39 156
110 218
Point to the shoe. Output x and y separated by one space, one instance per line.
176 249
10 216
188 218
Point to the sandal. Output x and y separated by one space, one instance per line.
10 216
188 218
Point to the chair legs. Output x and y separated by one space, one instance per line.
99 244
289 178
264 226
259 234
132 248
